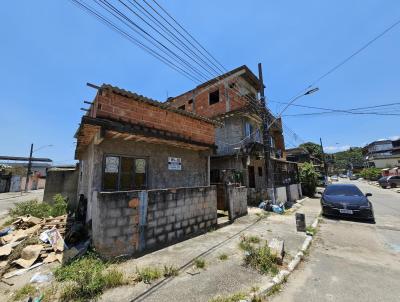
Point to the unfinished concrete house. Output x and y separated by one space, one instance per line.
144 168
229 100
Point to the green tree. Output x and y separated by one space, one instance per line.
345 159
312 148
371 173
308 179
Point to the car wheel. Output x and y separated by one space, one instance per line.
392 185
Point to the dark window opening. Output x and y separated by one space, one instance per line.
260 171
181 107
190 101
252 180
214 97
124 173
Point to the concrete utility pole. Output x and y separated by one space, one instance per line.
29 169
324 159
266 139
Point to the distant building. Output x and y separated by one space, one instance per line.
382 154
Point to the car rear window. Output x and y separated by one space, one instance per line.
343 190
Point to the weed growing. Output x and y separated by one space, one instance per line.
310 230
200 263
148 274
24 292
258 256
223 257
170 271
86 278
274 290
40 209
233 298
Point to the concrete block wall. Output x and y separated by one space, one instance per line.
293 192
64 182
237 198
119 227
175 214
115 223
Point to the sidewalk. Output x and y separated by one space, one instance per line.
219 277
7 200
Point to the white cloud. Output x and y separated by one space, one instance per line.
332 149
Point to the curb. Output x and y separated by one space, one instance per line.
284 273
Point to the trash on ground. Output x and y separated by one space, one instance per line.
279 209
29 255
277 247
41 278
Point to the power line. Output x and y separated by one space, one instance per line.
133 40
355 53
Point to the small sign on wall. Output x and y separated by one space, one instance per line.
174 163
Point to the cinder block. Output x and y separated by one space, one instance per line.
149 232
177 225
202 225
128 231
113 232
171 204
192 221
180 203
179 233
169 212
168 227
158 214
161 221
171 219
128 211
195 228
171 236
158 231
110 222
123 221
151 242
162 238
185 223
114 213
188 230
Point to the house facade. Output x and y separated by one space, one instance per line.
230 99
144 173
382 154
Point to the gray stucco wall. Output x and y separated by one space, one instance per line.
195 170
64 182
131 222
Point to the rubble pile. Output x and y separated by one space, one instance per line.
30 242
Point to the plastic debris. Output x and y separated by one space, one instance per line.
41 278
278 209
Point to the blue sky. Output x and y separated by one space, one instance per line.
50 49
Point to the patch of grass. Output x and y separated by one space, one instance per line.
233 298
40 209
310 230
149 274
254 289
259 257
223 257
49 294
24 292
274 290
254 239
86 278
170 271
200 263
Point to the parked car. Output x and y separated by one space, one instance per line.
353 177
389 181
322 181
334 178
343 176
346 200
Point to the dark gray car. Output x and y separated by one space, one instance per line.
389 181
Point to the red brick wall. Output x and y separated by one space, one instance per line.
201 102
117 107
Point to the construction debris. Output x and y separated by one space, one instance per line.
43 243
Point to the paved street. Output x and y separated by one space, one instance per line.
7 200
353 261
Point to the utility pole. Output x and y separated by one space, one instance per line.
324 160
266 139
28 173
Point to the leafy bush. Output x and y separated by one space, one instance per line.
308 179
371 173
170 271
40 209
86 278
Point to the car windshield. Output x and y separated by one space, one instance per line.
343 190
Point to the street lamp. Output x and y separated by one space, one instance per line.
30 164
